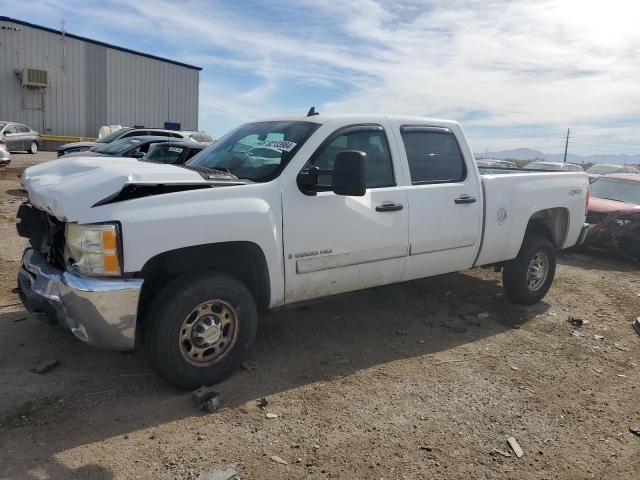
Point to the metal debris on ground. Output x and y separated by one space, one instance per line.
599 337
211 405
635 431
206 398
620 347
577 322
263 402
279 460
229 474
271 415
249 365
576 333
636 325
500 452
44 366
513 443
203 394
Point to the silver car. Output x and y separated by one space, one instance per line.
5 156
19 137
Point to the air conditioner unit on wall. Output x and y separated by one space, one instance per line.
34 78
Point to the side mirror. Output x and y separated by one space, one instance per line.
349 176
137 155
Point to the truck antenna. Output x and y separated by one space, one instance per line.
312 112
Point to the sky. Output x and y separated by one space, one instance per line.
514 73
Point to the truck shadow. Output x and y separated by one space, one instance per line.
94 395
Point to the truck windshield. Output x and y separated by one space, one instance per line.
616 189
256 151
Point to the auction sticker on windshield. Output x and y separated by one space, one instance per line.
282 145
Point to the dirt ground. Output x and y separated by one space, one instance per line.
399 382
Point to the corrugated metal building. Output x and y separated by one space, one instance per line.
88 84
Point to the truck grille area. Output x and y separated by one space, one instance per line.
44 232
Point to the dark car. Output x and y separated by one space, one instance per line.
136 147
17 136
119 134
173 152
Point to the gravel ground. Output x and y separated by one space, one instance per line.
405 381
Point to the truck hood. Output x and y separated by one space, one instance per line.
604 205
67 187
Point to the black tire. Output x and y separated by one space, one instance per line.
166 320
515 275
33 148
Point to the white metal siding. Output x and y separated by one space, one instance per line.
94 85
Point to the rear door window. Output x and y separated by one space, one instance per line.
433 154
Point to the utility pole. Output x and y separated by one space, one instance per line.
566 145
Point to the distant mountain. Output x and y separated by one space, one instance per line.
531 154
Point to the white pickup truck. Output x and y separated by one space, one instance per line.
182 258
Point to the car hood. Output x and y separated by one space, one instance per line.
67 146
68 187
603 205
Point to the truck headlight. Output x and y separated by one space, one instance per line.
93 249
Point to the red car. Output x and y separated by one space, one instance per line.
614 213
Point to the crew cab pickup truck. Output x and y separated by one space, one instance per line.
181 259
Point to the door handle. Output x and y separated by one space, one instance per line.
389 207
464 199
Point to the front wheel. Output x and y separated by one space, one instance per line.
528 277
200 328
33 148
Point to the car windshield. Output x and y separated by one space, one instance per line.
112 136
119 147
603 169
544 166
255 151
164 153
616 189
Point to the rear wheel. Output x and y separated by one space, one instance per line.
529 276
33 148
200 328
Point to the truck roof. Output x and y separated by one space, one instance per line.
363 117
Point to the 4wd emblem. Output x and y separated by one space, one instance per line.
502 215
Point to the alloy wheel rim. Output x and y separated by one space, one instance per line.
208 333
538 271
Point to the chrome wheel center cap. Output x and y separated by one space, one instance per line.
208 331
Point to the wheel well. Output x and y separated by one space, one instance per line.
551 223
243 260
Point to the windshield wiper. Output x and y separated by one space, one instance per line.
214 173
211 172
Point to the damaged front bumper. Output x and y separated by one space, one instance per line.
99 311
617 232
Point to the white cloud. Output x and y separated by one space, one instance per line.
557 64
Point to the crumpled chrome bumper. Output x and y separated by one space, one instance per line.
99 311
583 234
